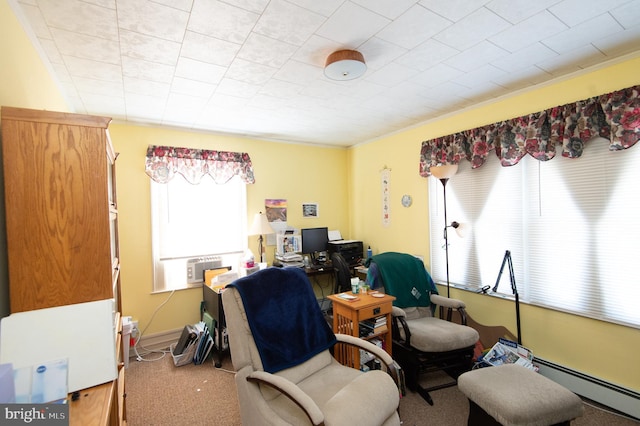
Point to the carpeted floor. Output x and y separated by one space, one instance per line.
160 394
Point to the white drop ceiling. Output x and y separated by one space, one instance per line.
255 67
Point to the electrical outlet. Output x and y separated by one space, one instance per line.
135 324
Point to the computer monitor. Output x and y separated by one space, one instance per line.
314 242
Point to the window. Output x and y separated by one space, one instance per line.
194 221
570 225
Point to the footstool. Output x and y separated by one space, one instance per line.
513 395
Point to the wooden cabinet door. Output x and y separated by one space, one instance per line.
57 208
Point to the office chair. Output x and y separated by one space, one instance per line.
285 372
423 342
342 273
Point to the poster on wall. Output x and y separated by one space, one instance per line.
276 211
385 177
310 210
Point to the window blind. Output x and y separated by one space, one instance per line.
569 224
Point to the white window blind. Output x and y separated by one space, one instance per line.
569 224
192 221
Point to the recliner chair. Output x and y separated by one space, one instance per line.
422 342
285 373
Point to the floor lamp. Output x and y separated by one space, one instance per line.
259 227
444 173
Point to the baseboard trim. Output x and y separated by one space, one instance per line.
156 342
616 397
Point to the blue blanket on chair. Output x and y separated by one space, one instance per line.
287 324
404 276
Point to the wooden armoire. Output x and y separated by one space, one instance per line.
61 212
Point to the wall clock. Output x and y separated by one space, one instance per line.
406 200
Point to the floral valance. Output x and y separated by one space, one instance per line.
614 116
163 162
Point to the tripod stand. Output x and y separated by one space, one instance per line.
514 289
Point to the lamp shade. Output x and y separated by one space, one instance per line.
461 228
345 65
260 225
445 171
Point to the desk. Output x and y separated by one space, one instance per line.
213 306
347 316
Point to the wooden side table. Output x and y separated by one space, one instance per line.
347 315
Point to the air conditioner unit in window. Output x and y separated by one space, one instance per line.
196 266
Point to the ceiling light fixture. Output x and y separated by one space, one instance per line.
345 65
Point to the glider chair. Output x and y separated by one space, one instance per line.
422 340
281 351
342 273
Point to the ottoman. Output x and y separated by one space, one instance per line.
514 395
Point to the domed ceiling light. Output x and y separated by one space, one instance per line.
345 65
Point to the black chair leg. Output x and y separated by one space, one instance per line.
425 395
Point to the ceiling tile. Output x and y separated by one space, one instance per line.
515 11
378 53
324 7
221 20
299 73
339 27
480 54
199 71
146 70
436 75
453 10
79 67
425 56
149 48
250 72
413 27
209 49
386 8
150 18
287 22
470 30
266 51
574 12
619 43
525 58
87 18
193 88
37 21
628 15
582 34
255 67
256 6
391 74
146 88
85 46
531 30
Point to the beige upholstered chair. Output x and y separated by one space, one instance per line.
424 338
270 316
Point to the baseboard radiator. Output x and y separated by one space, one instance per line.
156 342
605 393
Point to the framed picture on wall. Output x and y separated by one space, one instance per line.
310 210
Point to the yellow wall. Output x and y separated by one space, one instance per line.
346 184
24 80
598 348
297 173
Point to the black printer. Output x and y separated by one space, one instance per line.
351 250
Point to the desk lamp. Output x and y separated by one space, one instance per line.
443 173
259 227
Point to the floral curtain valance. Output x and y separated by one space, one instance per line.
614 116
163 162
